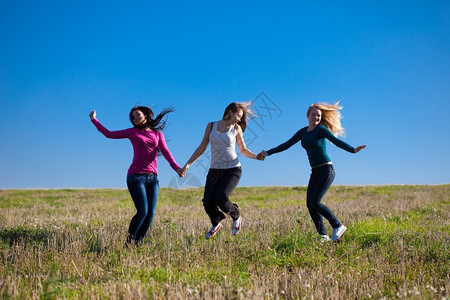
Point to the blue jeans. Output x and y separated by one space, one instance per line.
144 189
319 183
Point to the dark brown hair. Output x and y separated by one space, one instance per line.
234 107
156 123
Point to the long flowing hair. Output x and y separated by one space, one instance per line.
331 117
156 123
246 108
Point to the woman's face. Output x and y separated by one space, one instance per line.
235 117
138 117
315 116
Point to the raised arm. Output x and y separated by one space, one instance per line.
93 115
241 144
199 151
119 134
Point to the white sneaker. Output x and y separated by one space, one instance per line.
212 232
337 232
323 238
237 226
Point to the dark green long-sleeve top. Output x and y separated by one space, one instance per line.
314 143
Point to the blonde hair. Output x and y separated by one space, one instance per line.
331 117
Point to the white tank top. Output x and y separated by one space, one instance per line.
223 148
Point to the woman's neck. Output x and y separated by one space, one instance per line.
223 125
226 122
147 128
311 127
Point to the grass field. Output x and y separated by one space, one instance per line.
69 244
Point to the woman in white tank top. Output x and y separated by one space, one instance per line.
225 169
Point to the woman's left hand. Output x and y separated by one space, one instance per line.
357 149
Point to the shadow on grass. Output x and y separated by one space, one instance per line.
50 238
26 235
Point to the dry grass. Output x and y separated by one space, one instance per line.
69 244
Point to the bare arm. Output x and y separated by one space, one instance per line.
199 151
241 144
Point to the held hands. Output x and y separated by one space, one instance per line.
357 149
261 155
180 172
184 170
93 115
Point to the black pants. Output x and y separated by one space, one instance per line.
220 183
319 182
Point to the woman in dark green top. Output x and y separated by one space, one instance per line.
324 124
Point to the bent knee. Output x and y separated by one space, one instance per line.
142 213
312 206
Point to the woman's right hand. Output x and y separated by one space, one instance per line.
93 115
261 155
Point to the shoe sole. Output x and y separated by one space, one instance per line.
212 233
324 239
236 230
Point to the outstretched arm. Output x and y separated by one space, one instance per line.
341 144
199 151
241 144
286 145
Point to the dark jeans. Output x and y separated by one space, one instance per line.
144 189
319 182
220 183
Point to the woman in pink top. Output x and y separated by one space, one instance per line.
142 180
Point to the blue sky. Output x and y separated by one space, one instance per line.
387 61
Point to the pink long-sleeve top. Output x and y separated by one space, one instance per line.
145 145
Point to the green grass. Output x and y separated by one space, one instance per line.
68 244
